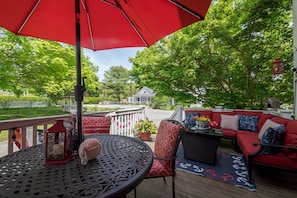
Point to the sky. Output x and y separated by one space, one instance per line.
113 57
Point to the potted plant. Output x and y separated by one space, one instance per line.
145 128
202 122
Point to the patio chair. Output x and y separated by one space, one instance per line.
166 144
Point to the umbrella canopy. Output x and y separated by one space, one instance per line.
99 24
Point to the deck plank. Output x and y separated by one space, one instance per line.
270 182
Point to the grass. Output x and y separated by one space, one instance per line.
3 136
17 113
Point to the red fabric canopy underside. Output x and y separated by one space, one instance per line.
103 25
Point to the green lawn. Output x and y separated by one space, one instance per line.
3 136
16 113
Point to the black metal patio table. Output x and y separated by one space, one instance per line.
121 166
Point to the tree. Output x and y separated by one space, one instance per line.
116 82
225 59
46 67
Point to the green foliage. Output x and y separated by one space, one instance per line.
92 100
161 102
4 136
146 126
5 101
48 68
115 83
225 59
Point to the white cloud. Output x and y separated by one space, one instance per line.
113 57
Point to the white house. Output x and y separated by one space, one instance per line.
143 96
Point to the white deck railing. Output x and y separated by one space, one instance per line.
122 123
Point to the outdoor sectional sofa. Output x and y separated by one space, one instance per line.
264 139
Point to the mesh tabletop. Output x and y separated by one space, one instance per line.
120 167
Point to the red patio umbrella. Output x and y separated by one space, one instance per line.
99 24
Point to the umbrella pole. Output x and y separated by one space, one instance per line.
79 89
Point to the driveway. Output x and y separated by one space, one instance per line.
155 115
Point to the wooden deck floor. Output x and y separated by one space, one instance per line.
270 183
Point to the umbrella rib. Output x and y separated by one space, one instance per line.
109 3
187 9
89 24
132 24
27 18
117 5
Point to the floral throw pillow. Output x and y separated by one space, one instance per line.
273 136
248 123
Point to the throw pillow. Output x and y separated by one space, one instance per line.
273 136
248 123
191 119
229 122
268 123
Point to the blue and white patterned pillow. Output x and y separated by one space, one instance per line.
274 136
190 122
248 123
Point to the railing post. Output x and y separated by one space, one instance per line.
10 140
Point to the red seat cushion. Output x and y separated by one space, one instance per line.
276 159
229 133
159 168
246 140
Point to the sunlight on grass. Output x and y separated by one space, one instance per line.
4 136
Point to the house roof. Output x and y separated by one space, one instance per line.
145 92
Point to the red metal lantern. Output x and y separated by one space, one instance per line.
58 144
277 67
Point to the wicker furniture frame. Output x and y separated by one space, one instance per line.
201 146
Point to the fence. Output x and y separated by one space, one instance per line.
122 123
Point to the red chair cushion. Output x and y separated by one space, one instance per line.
165 144
159 168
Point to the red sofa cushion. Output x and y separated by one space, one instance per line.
277 159
229 133
204 113
262 119
245 141
279 120
291 139
248 113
